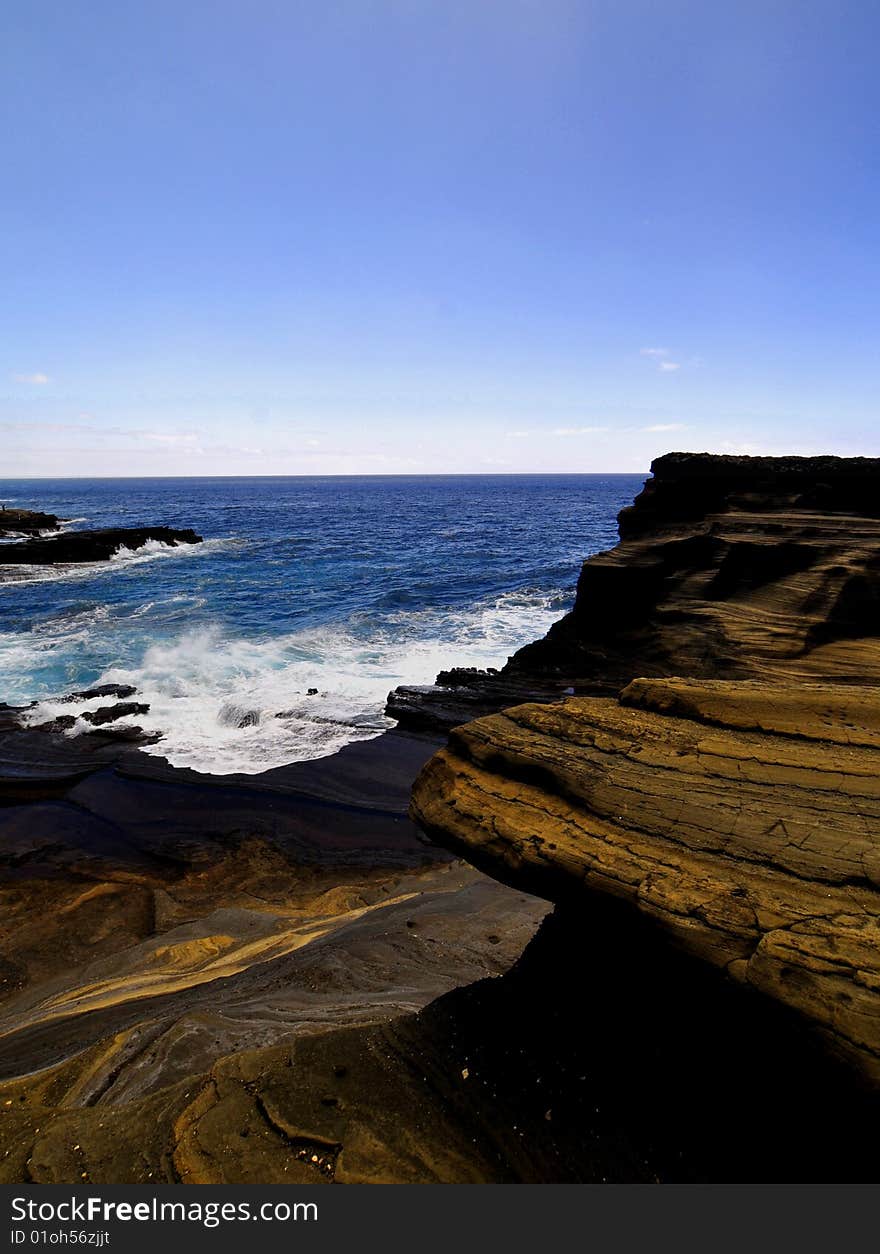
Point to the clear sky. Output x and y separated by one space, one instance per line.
332 236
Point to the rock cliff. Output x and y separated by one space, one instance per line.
727 567
721 779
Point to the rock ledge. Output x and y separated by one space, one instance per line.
741 818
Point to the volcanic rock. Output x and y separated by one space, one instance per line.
650 1067
27 521
90 546
743 819
102 690
110 713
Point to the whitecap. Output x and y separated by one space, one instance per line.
122 558
224 704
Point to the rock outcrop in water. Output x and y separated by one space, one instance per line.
90 546
727 567
15 522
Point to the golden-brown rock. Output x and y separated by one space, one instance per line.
742 818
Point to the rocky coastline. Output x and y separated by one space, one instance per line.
727 568
624 930
26 522
98 545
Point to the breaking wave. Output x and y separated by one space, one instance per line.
122 559
224 704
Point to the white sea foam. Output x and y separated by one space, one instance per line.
123 558
45 533
226 704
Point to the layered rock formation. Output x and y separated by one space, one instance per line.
90 546
221 980
727 567
729 794
742 818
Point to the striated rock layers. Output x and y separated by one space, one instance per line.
721 781
743 819
727 568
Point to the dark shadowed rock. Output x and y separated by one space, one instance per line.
90 546
688 486
109 713
61 723
102 690
26 521
598 1057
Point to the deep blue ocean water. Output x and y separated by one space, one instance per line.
347 585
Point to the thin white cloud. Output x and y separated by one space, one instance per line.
31 378
665 426
661 359
579 430
174 439
44 428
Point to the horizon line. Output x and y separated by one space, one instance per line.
400 474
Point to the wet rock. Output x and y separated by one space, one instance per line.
62 723
101 690
110 713
90 546
27 521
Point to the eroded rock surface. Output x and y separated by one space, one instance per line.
742 818
600 1056
157 926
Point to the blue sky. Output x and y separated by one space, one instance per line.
335 236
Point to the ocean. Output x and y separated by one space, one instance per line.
346 585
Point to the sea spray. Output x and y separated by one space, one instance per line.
225 704
279 637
